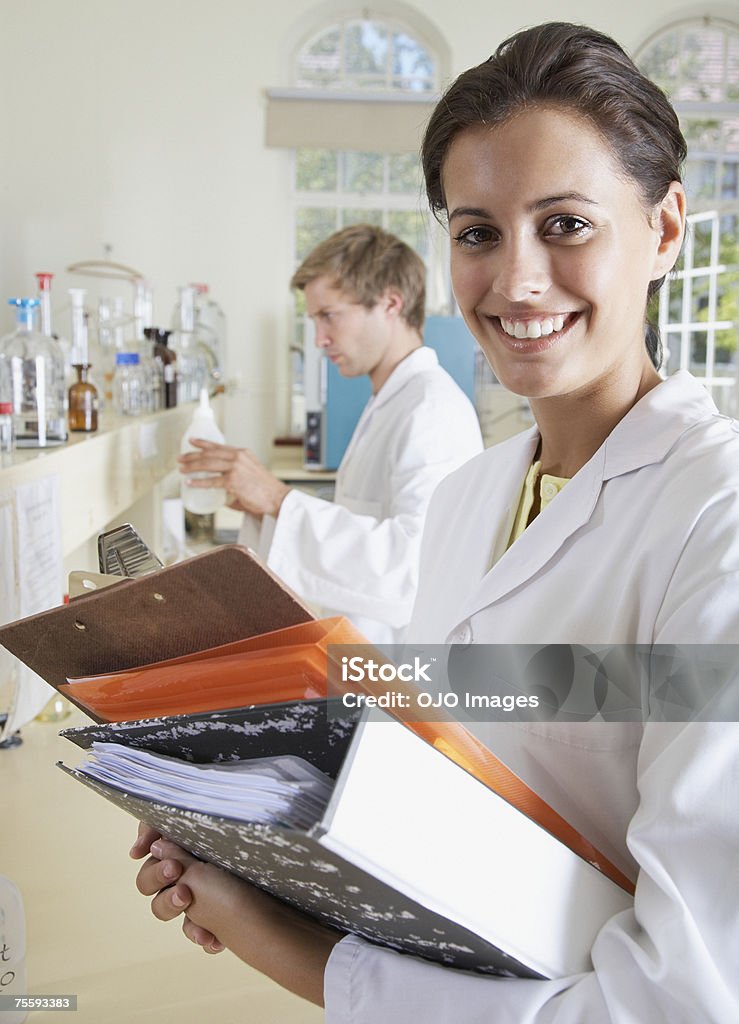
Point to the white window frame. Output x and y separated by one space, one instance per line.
708 212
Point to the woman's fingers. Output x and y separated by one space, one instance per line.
146 836
202 937
157 874
171 902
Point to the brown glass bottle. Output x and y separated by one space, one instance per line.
83 401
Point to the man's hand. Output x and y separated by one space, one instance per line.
252 487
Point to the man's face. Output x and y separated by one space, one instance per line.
353 337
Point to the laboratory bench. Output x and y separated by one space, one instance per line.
89 932
102 479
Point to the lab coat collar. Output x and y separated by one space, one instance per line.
417 361
644 436
649 430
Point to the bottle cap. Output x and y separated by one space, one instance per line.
24 303
6 408
126 358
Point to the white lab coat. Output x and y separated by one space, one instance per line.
358 555
641 546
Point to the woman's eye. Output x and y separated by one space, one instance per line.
473 237
568 226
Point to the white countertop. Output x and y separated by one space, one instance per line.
90 933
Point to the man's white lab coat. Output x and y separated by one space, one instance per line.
641 546
358 555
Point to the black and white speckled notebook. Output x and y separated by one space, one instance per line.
412 852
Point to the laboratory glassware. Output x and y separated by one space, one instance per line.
129 385
38 392
83 401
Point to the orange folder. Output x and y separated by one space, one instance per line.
286 664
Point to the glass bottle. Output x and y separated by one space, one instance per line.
192 357
167 359
83 401
129 386
44 297
38 392
210 327
7 436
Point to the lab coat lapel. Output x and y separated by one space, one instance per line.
540 542
494 496
643 437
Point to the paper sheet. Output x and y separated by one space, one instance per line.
38 574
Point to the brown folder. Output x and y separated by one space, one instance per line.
216 598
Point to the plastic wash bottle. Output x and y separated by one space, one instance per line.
201 501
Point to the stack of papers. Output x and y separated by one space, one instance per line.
285 790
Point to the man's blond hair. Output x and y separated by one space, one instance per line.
364 261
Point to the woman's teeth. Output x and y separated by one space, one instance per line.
533 328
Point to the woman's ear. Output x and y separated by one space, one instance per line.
669 221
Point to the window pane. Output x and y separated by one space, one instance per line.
319 64
700 179
363 172
702 232
404 173
732 68
410 225
315 170
354 216
702 63
412 64
695 63
312 225
365 49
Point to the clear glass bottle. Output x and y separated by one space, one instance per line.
83 401
38 391
7 435
129 385
44 296
192 359
210 327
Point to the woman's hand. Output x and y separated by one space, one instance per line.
252 487
224 911
160 877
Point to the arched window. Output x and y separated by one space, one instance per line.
358 53
361 89
363 75
697 64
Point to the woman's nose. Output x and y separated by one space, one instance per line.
522 272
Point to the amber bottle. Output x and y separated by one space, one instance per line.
83 401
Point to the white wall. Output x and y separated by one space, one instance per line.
140 125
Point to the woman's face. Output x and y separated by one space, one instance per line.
552 253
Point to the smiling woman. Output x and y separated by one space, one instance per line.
614 521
